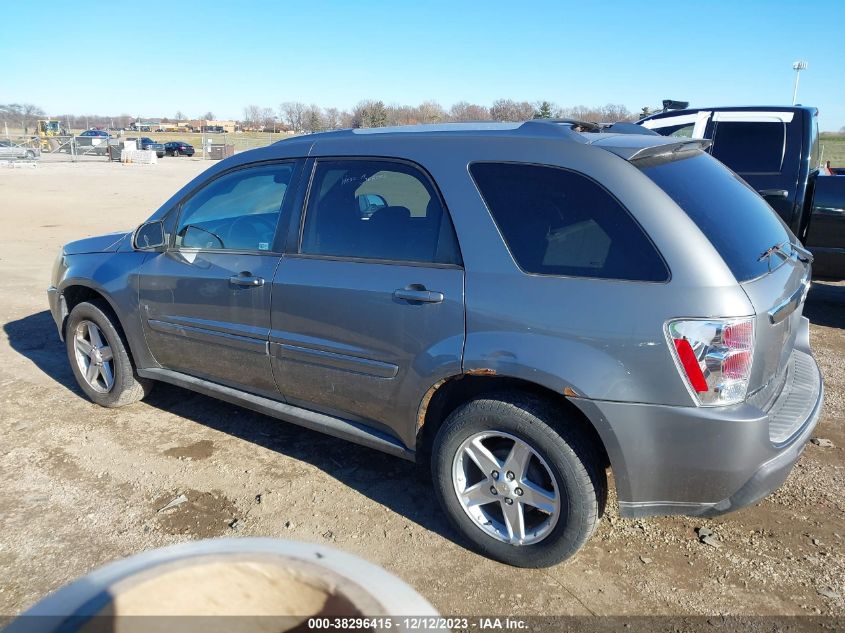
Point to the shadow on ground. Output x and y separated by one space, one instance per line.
36 338
826 305
399 485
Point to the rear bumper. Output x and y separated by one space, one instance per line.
706 461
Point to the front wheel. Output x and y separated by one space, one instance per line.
518 479
175 153
99 358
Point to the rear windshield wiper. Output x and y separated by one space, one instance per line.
777 249
801 253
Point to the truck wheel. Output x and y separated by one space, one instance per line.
99 358
524 490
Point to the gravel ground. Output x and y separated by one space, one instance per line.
85 485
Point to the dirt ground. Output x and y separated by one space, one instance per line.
82 485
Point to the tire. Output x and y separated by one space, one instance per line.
112 357
561 467
30 155
175 153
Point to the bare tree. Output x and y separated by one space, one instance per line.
510 110
347 119
431 112
23 114
30 112
331 118
293 114
463 111
252 116
179 116
209 116
401 115
606 113
267 119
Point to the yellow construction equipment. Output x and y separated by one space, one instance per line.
47 129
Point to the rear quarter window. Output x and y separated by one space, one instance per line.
559 222
736 220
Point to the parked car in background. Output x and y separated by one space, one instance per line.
776 150
147 143
520 305
9 149
178 148
92 142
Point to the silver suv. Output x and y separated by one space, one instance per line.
524 305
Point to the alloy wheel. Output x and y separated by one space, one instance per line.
94 356
506 488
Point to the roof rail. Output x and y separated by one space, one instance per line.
620 127
570 124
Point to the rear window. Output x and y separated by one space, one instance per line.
737 221
751 147
558 222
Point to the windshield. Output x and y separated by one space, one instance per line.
736 220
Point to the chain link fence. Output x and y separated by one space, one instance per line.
80 147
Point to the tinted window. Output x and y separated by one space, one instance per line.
376 210
558 222
684 130
736 220
237 211
750 147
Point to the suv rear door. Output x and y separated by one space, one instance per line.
368 304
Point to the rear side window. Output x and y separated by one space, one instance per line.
736 220
750 147
377 209
558 222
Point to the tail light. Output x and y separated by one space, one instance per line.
714 357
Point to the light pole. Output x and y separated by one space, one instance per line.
797 67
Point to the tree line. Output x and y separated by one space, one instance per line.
298 117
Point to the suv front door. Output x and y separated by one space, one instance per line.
205 301
368 305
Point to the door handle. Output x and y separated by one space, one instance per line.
773 193
246 279
418 294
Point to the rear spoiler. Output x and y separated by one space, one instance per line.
631 147
671 148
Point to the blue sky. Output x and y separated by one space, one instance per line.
153 58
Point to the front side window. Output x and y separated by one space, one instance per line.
750 147
238 211
376 209
558 222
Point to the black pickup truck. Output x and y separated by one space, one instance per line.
776 151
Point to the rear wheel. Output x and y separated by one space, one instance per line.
175 152
99 358
518 479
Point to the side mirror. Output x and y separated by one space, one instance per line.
149 236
